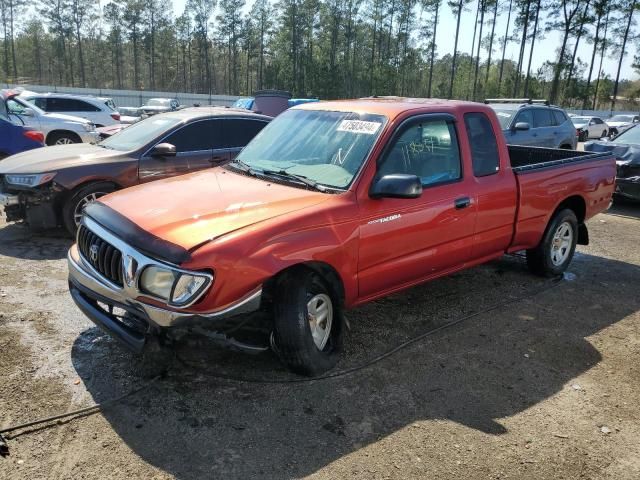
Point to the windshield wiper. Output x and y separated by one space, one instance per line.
243 166
300 178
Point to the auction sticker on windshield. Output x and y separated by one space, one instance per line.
359 126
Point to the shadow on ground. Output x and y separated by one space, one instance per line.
494 365
17 241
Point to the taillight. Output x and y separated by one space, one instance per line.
34 135
115 116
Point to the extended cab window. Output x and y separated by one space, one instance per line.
428 149
482 140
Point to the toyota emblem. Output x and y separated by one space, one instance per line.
93 252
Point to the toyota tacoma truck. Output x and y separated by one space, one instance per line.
330 206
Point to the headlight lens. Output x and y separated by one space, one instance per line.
89 127
176 288
29 180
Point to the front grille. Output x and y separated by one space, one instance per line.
102 256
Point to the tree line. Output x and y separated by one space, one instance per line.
323 48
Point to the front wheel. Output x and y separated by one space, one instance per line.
307 323
604 134
74 206
554 253
63 138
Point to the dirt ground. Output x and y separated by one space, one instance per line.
545 385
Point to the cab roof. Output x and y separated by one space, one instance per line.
390 107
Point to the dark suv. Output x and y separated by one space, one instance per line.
534 123
52 187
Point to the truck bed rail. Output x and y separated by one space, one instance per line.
525 159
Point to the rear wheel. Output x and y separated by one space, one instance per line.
554 253
307 323
63 138
74 206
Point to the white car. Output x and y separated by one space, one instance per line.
58 129
620 123
98 110
590 127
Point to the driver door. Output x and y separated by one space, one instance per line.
404 241
193 151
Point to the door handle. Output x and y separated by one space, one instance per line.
461 203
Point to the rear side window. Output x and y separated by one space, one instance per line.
559 117
482 140
428 149
196 136
239 132
542 118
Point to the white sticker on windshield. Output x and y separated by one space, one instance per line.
359 126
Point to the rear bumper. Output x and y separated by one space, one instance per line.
92 294
628 188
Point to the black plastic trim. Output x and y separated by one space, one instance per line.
135 236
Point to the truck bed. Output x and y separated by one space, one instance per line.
526 159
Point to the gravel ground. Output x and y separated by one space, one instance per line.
544 384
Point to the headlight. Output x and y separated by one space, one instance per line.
176 288
29 180
89 127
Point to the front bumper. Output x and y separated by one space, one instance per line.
91 293
628 188
8 199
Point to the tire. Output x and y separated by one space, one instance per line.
72 208
295 344
604 134
583 137
63 138
554 254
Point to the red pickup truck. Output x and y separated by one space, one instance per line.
332 205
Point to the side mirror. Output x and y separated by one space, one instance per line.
522 126
163 150
397 185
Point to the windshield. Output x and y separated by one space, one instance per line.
621 118
158 102
326 147
140 133
504 117
17 106
631 136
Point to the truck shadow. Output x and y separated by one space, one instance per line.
494 365
626 209
17 241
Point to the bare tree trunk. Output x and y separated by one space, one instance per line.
473 46
533 42
490 49
593 60
455 51
523 42
504 47
433 50
475 75
567 87
632 9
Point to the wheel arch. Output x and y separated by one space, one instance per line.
62 131
327 272
577 205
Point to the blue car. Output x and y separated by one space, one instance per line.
14 136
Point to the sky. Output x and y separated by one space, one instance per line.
545 49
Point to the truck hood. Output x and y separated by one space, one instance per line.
52 159
192 209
